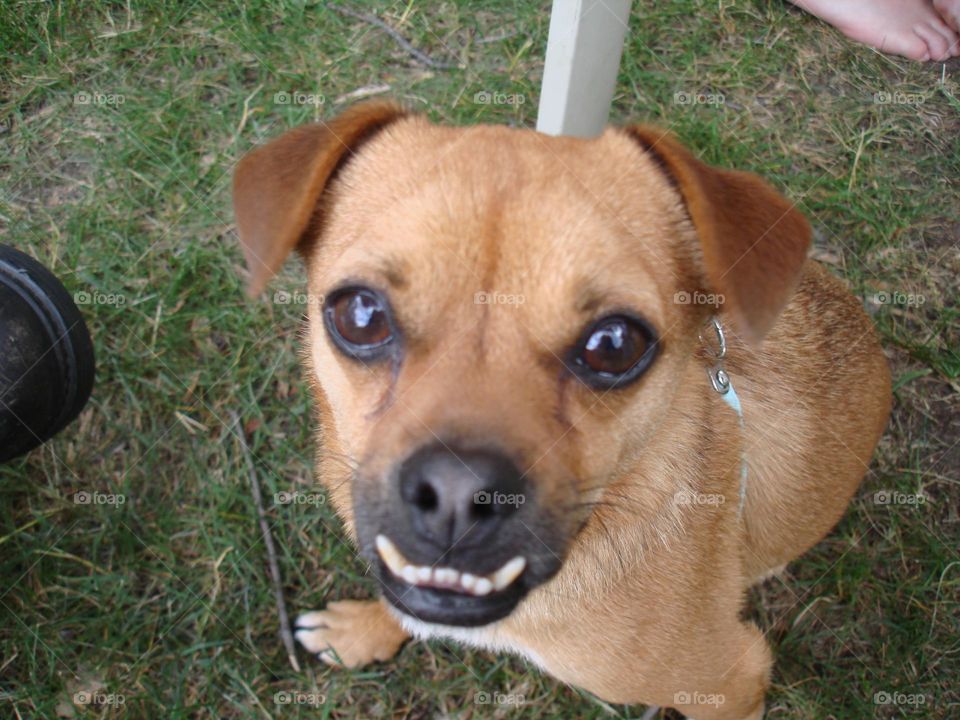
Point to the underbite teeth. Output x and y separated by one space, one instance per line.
483 586
508 573
445 578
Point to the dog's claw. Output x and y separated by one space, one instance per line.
310 620
328 657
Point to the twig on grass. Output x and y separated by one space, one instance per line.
400 39
285 634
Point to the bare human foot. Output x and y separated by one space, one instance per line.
912 28
950 12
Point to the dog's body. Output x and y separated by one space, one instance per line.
636 549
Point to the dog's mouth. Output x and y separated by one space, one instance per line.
448 596
445 578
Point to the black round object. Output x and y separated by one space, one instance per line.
46 357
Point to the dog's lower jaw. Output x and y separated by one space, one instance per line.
489 637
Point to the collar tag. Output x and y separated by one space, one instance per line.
715 345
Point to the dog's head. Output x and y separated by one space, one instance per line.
497 324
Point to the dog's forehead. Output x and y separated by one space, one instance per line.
482 168
494 209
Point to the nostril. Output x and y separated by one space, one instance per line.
481 508
426 497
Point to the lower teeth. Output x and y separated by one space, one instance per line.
447 578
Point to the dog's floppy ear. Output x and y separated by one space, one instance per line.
277 187
754 241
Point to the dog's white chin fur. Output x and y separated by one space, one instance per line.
487 637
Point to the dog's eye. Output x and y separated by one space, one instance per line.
359 321
615 350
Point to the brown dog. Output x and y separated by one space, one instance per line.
507 348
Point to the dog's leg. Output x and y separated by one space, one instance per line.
736 691
351 633
716 669
756 715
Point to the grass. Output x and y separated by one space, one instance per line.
165 599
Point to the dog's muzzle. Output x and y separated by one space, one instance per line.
461 540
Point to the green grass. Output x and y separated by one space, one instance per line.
165 599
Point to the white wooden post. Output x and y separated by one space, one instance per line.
580 72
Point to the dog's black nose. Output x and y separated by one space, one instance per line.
459 496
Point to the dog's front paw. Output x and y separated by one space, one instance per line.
351 633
